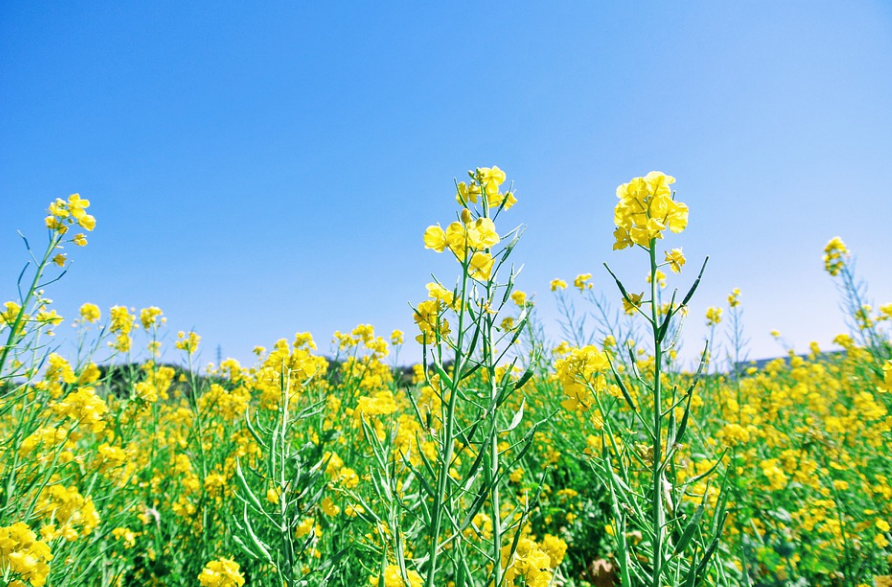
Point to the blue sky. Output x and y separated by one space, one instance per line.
258 169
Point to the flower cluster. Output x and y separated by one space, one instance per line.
23 556
63 214
836 255
223 572
578 372
645 209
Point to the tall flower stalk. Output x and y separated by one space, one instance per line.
658 510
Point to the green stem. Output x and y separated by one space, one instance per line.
38 273
448 436
657 520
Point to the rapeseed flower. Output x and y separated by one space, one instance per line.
645 209
836 255
24 556
222 572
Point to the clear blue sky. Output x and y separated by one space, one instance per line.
258 169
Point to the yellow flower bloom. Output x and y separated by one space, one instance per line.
734 298
646 209
836 255
633 303
222 572
482 234
188 343
435 238
51 317
8 316
582 281
440 293
557 284
676 260
90 313
519 297
24 554
150 317
481 266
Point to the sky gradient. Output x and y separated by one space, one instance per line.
262 169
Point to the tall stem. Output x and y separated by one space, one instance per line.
38 273
448 436
657 475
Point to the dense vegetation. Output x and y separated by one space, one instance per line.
500 460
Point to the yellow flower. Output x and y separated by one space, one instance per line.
557 284
126 535
304 528
645 209
490 178
77 205
578 370
481 266
440 293
8 316
519 297
435 238
150 317
59 209
188 343
24 554
467 193
836 255
633 303
734 298
582 281
80 240
676 260
482 234
121 320
272 495
87 222
555 548
222 572
713 316
90 313
51 317
84 407
329 508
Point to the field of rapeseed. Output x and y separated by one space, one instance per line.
499 460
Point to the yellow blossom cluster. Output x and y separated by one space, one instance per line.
836 255
66 512
22 556
645 209
579 374
223 572
65 213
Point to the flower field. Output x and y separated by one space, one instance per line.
499 460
